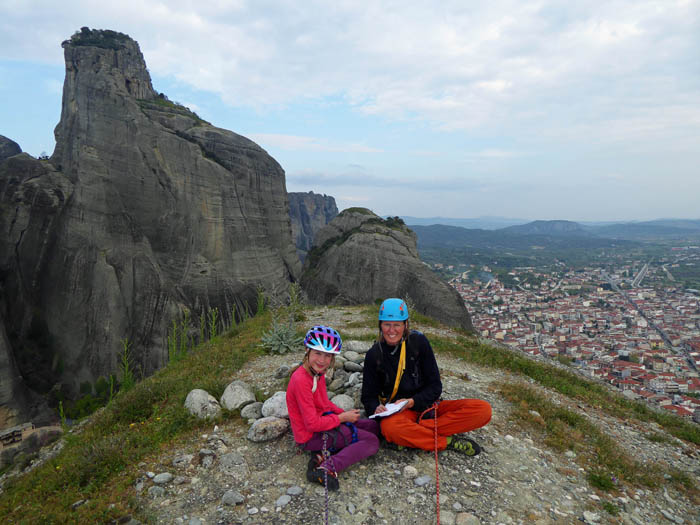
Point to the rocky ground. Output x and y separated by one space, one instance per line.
222 477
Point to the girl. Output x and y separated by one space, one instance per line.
318 424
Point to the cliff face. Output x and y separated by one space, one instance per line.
359 258
309 213
8 148
143 210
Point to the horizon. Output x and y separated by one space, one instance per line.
591 113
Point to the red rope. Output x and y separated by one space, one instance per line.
437 471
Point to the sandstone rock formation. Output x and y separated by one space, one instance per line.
8 148
309 213
359 258
143 210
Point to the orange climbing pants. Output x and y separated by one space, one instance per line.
453 417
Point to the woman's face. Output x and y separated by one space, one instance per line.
392 331
319 361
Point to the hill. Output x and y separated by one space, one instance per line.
559 449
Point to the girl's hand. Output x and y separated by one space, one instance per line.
407 405
380 409
350 416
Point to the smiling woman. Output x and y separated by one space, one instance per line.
401 369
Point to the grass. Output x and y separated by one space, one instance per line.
99 463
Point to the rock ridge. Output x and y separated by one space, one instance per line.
359 258
143 212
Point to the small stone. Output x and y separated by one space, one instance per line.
570 454
350 355
294 491
283 500
232 497
457 506
183 460
179 480
205 452
150 475
282 371
253 510
594 497
352 367
591 517
351 508
465 518
447 518
78 504
410 472
163 478
156 492
276 406
343 401
252 411
268 428
423 480
194 521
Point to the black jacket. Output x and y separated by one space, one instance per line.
420 380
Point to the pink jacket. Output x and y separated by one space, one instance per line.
305 408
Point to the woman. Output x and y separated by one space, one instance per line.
318 424
401 367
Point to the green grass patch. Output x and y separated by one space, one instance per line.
99 463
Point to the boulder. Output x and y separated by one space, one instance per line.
267 429
276 406
359 258
252 411
344 402
237 395
202 404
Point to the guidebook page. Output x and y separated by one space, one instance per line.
391 408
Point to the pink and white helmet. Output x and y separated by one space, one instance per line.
323 339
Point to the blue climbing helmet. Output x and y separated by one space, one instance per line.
323 339
393 310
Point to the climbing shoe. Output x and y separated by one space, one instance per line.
465 446
316 474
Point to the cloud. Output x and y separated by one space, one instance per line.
459 67
297 143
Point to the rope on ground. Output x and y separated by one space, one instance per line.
437 471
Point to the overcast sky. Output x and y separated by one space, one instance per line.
584 110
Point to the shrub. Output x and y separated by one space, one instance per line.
281 338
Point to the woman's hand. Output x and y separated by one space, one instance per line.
380 409
350 416
407 405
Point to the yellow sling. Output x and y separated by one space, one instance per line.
399 373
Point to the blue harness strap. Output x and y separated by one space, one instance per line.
335 433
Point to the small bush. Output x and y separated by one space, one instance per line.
281 338
601 480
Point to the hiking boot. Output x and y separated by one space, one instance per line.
465 446
319 475
316 473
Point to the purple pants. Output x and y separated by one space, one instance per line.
366 445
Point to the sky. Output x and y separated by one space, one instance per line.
584 111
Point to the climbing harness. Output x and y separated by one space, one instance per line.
434 406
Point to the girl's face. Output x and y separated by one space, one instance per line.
319 361
392 331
